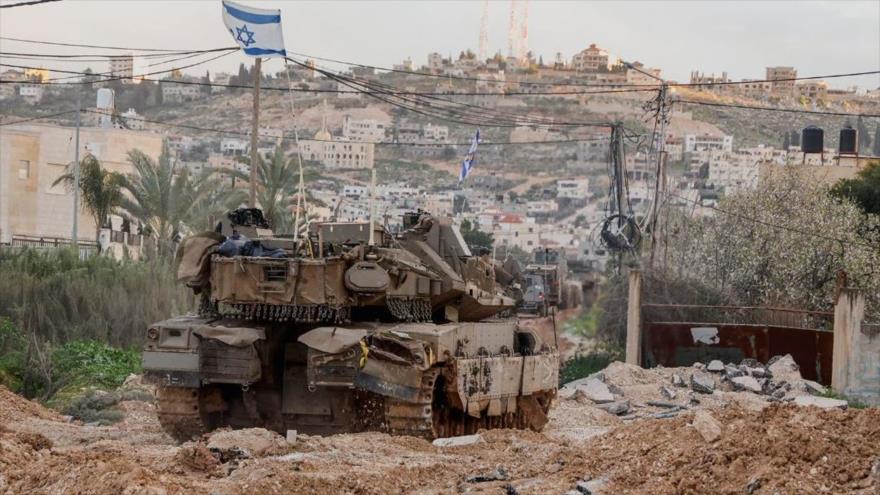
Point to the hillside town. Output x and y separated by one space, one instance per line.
498 268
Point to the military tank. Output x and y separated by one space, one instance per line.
345 330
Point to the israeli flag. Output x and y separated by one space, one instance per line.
257 31
468 162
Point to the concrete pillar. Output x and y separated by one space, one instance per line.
856 357
634 319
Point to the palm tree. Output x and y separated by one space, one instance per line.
161 195
100 190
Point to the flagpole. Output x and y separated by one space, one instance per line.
255 128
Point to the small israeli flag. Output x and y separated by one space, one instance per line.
468 163
257 31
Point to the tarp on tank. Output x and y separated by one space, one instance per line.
193 257
236 336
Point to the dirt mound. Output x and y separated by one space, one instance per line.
782 449
14 407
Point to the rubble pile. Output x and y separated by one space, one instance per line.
631 392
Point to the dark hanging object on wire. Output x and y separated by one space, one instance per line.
795 138
849 141
812 140
621 233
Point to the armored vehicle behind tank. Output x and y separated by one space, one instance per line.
345 330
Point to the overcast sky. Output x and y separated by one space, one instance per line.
740 37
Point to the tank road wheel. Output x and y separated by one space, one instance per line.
185 413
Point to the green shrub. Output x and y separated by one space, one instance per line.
12 355
96 406
89 363
583 365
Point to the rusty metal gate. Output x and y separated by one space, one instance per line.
682 334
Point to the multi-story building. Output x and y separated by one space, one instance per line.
708 83
573 188
337 154
31 92
174 92
435 62
639 74
593 59
122 66
698 142
370 131
233 146
783 79
754 87
814 90
32 157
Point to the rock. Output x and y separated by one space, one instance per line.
596 391
715 366
753 485
693 400
784 368
499 474
814 387
757 372
292 457
566 393
823 402
699 366
617 408
708 427
591 487
677 380
667 392
458 441
747 383
256 442
750 363
732 372
291 436
702 383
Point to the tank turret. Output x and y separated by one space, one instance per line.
345 331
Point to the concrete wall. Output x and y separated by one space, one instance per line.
31 206
856 363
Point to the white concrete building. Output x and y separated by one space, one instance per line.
369 131
32 93
174 92
573 188
700 142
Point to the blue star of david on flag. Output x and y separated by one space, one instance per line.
257 31
468 163
244 36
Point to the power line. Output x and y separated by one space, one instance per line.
78 45
23 4
773 225
101 57
22 121
777 109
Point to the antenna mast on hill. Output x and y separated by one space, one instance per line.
484 33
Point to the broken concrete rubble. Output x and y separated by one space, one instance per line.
458 441
747 383
814 388
822 402
708 427
715 366
596 391
702 383
616 408
678 381
667 392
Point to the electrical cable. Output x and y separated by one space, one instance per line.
22 121
24 4
105 47
777 109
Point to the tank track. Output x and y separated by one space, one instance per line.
179 412
429 417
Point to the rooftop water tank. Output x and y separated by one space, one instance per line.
849 141
812 140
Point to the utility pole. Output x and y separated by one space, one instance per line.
76 176
663 110
255 128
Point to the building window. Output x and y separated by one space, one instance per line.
24 169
